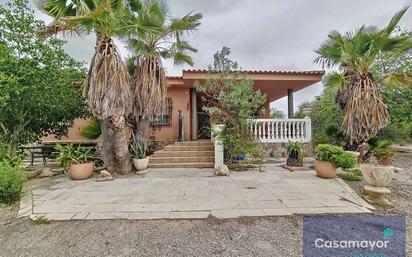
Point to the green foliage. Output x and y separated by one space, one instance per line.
70 154
152 32
11 182
138 149
92 130
277 114
39 82
397 98
381 149
41 221
231 100
355 54
335 155
349 176
13 160
327 117
294 150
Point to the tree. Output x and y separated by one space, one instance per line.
148 48
277 114
222 62
106 87
39 82
230 99
355 54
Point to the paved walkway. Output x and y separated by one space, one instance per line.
194 193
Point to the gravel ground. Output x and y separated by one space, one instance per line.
401 187
211 237
276 236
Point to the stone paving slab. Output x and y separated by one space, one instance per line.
193 194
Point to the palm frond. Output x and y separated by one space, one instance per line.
186 23
395 21
398 80
335 80
181 58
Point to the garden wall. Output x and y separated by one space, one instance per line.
279 149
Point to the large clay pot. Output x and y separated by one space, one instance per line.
141 164
325 169
81 171
377 176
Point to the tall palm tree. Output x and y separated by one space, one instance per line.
106 87
148 48
355 54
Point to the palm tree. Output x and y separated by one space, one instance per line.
148 48
106 88
355 54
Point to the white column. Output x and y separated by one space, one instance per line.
219 157
308 129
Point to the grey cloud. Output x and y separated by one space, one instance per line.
267 34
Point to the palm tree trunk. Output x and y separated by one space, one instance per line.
115 147
142 130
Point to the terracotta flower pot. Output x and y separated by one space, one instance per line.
386 161
325 169
141 164
81 171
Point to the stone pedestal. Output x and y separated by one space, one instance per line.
377 195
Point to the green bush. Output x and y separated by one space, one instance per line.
5 157
294 150
11 183
335 155
92 130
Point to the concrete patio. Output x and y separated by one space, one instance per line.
193 194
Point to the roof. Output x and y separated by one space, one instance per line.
314 72
268 72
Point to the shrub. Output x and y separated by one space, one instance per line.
11 183
335 155
72 155
294 150
91 130
349 176
381 148
14 161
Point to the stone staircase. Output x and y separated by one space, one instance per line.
192 154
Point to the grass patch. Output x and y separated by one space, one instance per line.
351 175
41 221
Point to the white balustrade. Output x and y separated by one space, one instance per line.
282 130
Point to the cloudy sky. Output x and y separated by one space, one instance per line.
267 34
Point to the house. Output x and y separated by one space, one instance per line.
183 118
182 98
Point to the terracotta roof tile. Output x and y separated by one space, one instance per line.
314 72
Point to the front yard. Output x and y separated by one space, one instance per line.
245 236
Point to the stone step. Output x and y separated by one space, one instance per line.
163 153
189 148
199 165
195 159
195 143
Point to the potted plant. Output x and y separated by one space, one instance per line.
140 161
77 161
295 154
383 152
328 158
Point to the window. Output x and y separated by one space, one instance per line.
165 118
